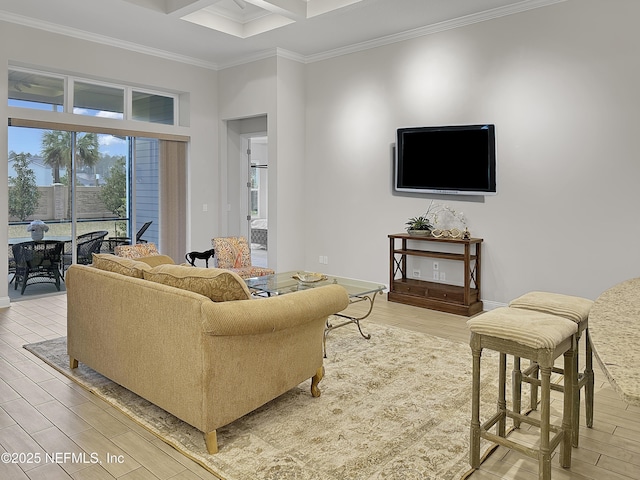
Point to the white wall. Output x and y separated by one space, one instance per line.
289 189
561 85
31 47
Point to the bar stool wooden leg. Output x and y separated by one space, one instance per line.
589 386
568 412
576 392
502 401
516 385
544 459
535 374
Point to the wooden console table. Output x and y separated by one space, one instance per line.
461 300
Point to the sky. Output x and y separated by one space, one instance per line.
28 140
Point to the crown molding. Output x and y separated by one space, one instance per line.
272 52
103 39
499 12
520 7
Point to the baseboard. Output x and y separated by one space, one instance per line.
5 302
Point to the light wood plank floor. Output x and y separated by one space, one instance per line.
42 411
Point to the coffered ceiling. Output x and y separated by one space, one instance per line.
219 33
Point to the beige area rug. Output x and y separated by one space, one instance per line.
397 406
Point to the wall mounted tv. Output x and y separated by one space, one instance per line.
458 160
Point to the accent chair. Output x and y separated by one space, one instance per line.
233 253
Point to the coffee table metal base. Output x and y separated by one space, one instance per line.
371 298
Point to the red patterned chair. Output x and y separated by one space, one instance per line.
233 253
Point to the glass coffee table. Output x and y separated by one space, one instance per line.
283 283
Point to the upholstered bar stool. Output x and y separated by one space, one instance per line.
577 310
539 337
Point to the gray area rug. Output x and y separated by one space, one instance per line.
397 406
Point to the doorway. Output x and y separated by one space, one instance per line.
255 153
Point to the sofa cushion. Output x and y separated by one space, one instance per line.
217 284
155 260
123 266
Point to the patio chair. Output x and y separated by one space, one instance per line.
112 242
233 253
12 265
141 232
37 261
86 245
86 249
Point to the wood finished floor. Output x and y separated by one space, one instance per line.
42 411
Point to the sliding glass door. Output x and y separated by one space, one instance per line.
82 186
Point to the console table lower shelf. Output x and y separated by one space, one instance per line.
436 296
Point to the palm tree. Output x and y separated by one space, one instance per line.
56 150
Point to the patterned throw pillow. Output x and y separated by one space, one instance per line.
217 284
123 266
136 251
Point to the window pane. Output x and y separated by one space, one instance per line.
98 100
147 195
148 107
34 90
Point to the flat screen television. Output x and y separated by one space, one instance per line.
458 160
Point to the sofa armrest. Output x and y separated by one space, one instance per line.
274 313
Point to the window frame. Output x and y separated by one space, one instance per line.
69 101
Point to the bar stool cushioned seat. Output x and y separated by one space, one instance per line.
539 337
568 306
544 332
577 310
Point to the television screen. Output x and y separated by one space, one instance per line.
457 159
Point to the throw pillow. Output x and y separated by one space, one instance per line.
123 266
136 251
217 284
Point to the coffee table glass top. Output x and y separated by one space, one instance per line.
282 283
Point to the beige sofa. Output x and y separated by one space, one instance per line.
206 362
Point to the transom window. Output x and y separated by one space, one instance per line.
98 100
36 90
63 93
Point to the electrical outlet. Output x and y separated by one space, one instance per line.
435 275
436 265
416 274
443 276
320 259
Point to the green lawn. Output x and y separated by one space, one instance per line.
60 229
